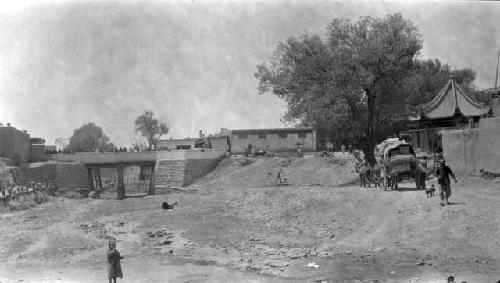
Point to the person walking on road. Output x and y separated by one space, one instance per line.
114 266
278 177
443 174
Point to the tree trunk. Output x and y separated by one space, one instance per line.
371 131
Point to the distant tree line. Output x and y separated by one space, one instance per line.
91 138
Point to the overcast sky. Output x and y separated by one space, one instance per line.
66 63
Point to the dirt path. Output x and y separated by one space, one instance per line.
224 230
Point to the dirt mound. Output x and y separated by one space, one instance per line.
261 172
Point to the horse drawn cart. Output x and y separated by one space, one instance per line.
399 162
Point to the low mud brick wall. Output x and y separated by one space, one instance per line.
488 147
62 174
460 150
470 150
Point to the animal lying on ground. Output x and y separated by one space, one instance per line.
488 175
165 205
430 191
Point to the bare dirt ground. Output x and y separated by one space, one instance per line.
233 225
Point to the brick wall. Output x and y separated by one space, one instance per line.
460 150
181 173
488 146
471 150
63 175
15 145
170 173
37 153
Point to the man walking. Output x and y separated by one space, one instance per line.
278 177
443 173
114 266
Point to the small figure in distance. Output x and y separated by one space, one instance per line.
278 177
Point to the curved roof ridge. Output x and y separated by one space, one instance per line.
434 103
450 98
472 100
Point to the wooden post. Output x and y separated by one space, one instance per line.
151 190
99 182
89 170
120 190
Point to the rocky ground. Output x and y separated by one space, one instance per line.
234 225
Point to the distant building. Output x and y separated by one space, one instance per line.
37 150
17 146
180 144
14 144
50 149
452 108
276 140
219 142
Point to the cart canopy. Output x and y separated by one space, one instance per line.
392 147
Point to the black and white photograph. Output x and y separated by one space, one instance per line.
249 141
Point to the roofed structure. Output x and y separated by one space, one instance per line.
452 108
452 99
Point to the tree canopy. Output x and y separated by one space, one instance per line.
88 138
150 128
352 80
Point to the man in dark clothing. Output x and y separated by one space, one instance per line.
114 266
278 177
443 173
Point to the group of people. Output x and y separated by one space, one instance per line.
330 148
252 151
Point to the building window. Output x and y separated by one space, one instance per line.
282 135
302 134
262 136
242 136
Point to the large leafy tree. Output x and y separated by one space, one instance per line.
88 138
151 128
354 79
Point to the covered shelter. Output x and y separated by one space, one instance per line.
452 108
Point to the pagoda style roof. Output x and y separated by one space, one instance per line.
451 99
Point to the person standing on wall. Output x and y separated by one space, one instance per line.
443 174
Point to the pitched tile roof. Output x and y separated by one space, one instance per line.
449 99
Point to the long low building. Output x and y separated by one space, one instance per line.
276 140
